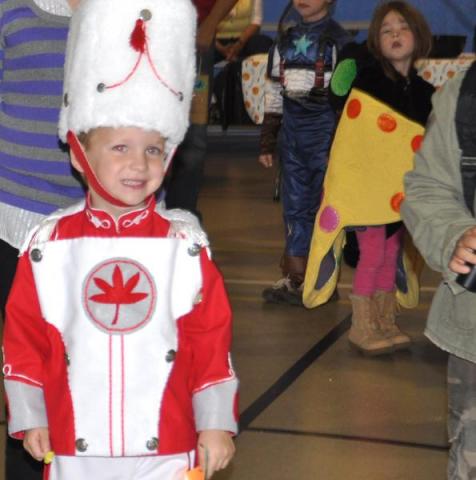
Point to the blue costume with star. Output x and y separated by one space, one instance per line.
308 121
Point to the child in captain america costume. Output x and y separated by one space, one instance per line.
299 71
118 329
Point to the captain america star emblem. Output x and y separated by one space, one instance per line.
119 296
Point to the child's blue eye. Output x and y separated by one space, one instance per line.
119 148
154 151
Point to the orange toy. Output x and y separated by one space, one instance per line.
195 474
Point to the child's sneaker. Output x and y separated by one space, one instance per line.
284 291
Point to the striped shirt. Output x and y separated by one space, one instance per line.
35 171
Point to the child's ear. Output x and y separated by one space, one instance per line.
75 163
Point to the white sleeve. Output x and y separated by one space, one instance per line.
273 100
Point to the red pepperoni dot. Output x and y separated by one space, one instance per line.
387 123
396 201
416 142
354 108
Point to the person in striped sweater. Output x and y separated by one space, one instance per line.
35 173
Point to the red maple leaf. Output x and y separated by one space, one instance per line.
118 294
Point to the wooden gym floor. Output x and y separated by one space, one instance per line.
311 407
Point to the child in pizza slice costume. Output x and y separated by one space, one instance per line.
381 128
118 326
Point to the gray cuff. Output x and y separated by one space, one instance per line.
214 407
26 406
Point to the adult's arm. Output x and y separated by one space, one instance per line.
207 29
434 209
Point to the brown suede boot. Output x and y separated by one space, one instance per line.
387 306
364 333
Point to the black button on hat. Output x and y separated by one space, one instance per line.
146 15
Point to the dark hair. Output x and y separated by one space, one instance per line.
417 23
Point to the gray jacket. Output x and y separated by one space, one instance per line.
435 213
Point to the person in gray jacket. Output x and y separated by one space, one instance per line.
444 230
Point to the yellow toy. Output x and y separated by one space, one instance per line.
363 186
49 457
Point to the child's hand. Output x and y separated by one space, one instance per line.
37 442
221 48
266 160
215 450
233 51
464 252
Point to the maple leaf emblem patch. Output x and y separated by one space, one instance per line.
119 296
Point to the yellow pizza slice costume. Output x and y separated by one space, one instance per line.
373 148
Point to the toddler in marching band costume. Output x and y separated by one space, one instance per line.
118 326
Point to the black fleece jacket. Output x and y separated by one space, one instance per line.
409 96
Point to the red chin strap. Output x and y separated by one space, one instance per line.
93 181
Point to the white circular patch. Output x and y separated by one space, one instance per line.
119 296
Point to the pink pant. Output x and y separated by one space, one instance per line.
377 265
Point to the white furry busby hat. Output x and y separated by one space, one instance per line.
130 63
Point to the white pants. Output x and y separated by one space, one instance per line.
164 467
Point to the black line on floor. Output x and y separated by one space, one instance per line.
291 375
352 438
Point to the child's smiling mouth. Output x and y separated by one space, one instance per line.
133 183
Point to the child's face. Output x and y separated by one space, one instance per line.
312 10
128 162
397 42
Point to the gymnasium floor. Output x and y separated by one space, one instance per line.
311 407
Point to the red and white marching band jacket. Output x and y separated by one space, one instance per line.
118 335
